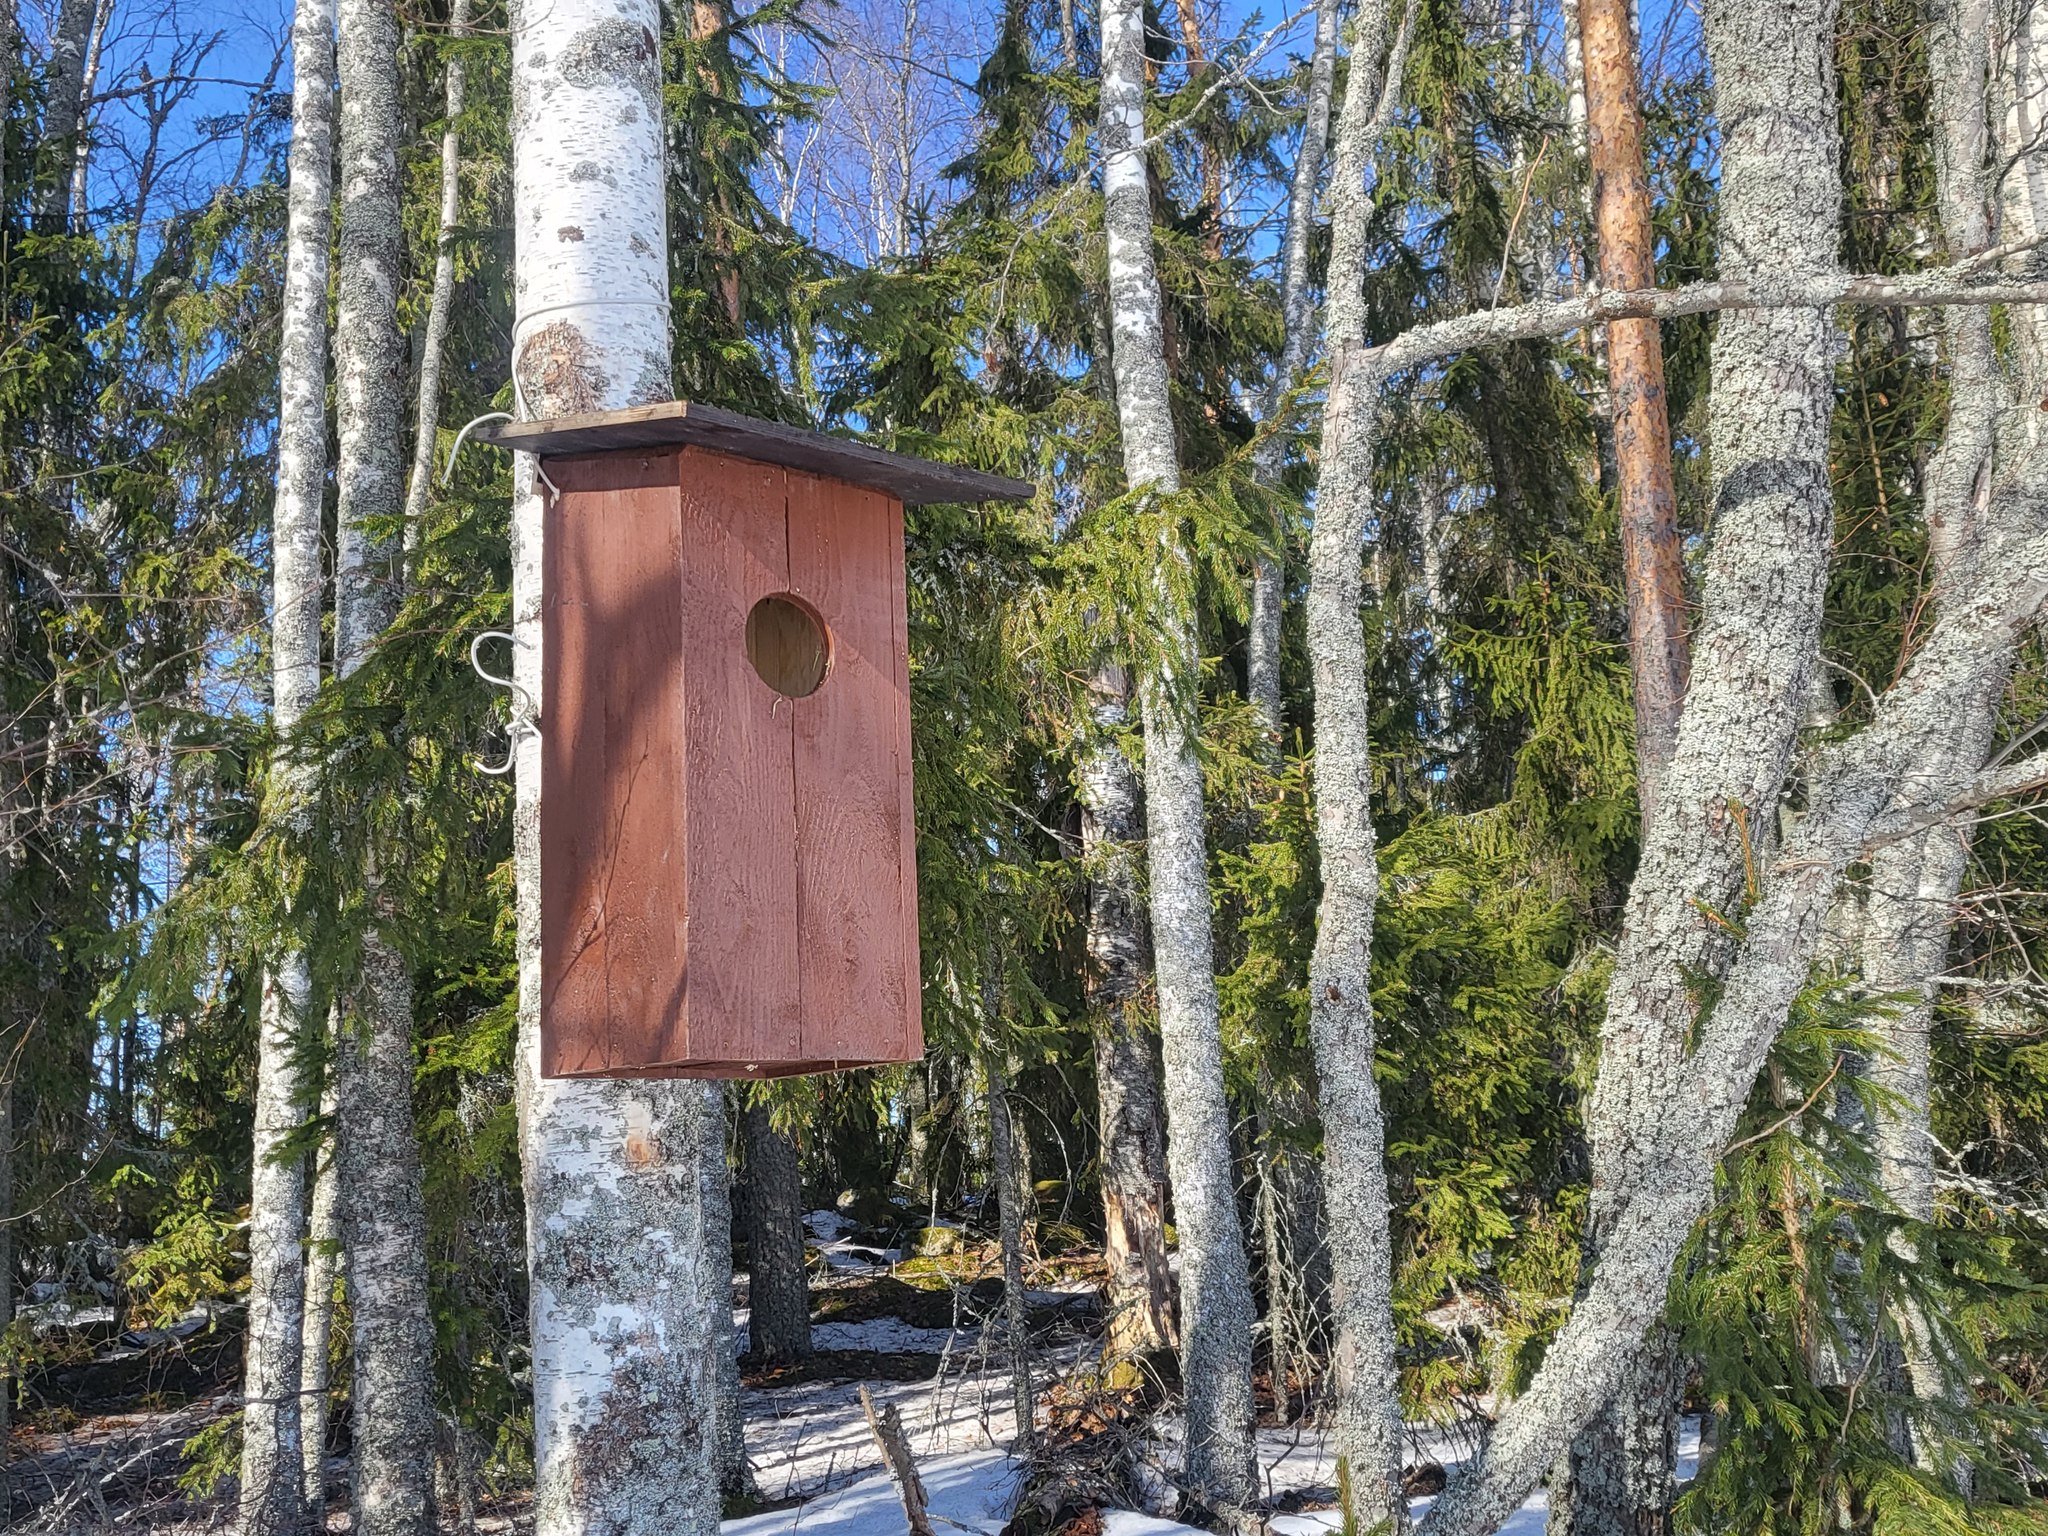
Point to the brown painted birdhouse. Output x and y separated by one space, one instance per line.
728 873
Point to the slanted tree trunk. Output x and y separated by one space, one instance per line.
1217 1314
735 1472
1618 1479
441 303
272 1499
1914 882
1773 392
1130 1117
1364 1379
778 1292
323 1253
624 1380
384 1217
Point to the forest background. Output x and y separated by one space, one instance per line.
889 219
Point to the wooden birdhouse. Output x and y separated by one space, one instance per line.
728 875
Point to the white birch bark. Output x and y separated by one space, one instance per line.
623 1378
1365 1382
1297 337
323 1252
384 1216
271 1501
1217 1314
440 304
64 108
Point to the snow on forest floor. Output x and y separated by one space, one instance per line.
977 1492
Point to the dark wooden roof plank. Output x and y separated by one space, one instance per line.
912 480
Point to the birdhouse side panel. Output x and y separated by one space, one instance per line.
743 988
856 896
613 896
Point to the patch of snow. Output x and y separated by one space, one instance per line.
975 1492
825 1225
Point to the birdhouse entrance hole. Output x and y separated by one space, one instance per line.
789 645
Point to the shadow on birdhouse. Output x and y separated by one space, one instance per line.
728 873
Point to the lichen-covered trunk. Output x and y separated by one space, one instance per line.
384 1224
1364 1379
1754 662
1914 883
778 1291
622 1368
1297 339
1217 1315
440 304
1130 1118
271 1499
323 1252
714 1181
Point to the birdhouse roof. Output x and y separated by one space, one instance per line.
677 422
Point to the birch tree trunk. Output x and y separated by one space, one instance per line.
434 339
323 1252
1365 1380
64 109
1130 1117
272 1501
1217 1315
624 1383
778 1290
1297 339
384 1218
735 1472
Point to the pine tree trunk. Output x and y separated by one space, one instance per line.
272 1501
441 304
323 1252
1011 1197
1653 558
735 1472
384 1218
778 1289
1129 1116
624 1380
1366 1409
1217 1314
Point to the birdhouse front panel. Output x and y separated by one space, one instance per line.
727 859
